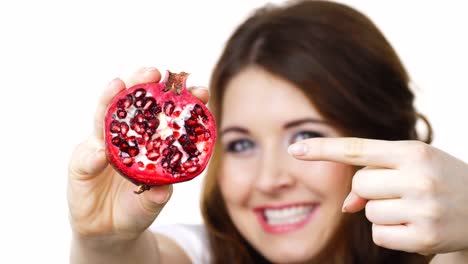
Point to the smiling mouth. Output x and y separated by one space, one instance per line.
285 218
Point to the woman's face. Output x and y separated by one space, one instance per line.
286 208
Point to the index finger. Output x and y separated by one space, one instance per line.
142 75
351 150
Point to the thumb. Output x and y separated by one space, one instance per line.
155 198
353 203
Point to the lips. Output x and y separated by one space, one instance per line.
285 218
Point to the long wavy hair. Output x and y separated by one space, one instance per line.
346 67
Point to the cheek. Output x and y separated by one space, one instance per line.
331 179
236 180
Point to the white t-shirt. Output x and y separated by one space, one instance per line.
192 239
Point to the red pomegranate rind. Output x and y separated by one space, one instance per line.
159 133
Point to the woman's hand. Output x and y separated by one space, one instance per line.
102 203
415 195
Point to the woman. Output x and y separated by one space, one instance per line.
314 109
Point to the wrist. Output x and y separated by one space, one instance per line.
114 249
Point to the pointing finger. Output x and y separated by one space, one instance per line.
353 151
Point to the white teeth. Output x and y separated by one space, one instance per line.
288 215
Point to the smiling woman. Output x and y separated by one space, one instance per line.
280 204
313 108
339 77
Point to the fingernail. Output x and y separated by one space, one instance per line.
297 149
163 199
199 88
112 82
150 69
345 203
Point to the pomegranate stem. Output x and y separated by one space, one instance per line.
141 188
176 82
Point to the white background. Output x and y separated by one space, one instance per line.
57 56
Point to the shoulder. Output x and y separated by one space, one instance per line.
192 239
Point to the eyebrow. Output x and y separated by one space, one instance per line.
288 125
303 121
235 129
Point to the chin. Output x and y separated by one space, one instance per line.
289 254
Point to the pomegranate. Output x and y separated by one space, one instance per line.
159 133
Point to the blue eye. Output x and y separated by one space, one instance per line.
305 135
240 145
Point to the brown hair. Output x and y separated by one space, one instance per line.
345 66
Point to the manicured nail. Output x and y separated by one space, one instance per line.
345 203
297 149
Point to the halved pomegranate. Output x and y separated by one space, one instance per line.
159 133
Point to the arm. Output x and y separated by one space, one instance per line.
453 257
143 249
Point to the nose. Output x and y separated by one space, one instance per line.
273 175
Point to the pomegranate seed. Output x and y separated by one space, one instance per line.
139 118
141 164
153 123
173 148
149 133
115 126
133 151
169 140
141 141
199 110
192 169
124 128
150 101
149 146
156 109
199 129
139 92
168 108
187 164
140 102
176 134
152 155
127 161
121 113
151 166
148 115
125 102
175 125
177 156
166 152
116 141
183 140
207 134
124 146
191 122
177 113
